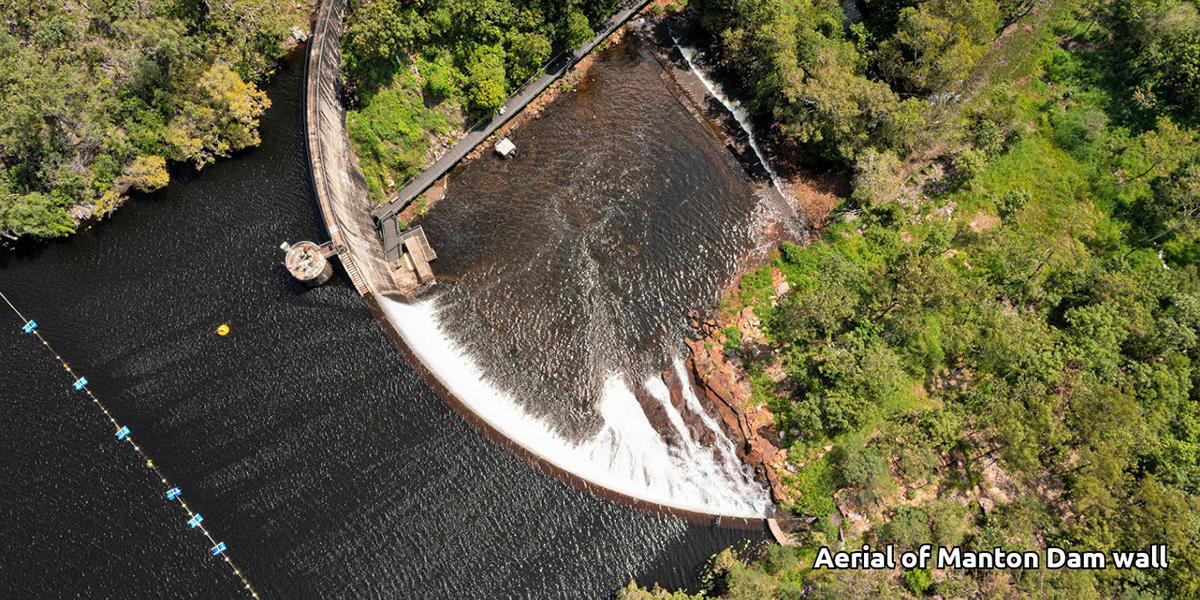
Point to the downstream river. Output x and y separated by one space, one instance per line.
306 442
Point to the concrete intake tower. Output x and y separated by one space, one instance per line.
308 263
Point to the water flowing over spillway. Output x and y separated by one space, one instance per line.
567 272
322 459
625 455
735 108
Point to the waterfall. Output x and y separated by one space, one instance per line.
734 107
626 455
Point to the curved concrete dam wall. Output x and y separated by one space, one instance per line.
341 192
337 178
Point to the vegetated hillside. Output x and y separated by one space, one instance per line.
992 346
98 96
421 71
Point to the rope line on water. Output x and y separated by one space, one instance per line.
128 437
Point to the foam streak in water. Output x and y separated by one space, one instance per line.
626 456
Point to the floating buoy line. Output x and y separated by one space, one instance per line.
123 433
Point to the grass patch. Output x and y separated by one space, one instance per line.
814 484
391 130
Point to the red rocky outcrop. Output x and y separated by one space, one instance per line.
726 387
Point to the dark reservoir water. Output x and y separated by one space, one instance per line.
306 442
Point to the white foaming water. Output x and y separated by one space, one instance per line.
627 455
735 108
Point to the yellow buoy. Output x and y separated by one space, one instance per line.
223 330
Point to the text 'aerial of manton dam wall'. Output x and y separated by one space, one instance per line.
341 192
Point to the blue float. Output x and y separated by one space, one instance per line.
123 433
81 383
173 493
30 326
218 549
195 521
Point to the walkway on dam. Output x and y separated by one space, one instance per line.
524 95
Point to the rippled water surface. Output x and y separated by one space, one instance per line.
302 437
618 214
621 211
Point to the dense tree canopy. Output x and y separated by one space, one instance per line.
1010 301
802 67
494 45
97 96
936 43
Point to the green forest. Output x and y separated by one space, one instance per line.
990 344
422 71
99 97
987 344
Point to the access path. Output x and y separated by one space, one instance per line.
526 94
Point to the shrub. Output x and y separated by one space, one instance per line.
909 528
439 80
780 558
987 136
815 483
865 472
918 580
733 338
1012 202
1079 130
970 163
825 526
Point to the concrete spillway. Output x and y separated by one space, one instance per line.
626 461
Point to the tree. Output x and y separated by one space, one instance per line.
252 32
35 215
486 79
148 173
1165 147
833 104
902 126
221 118
576 31
528 52
876 177
1179 203
937 43
386 29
